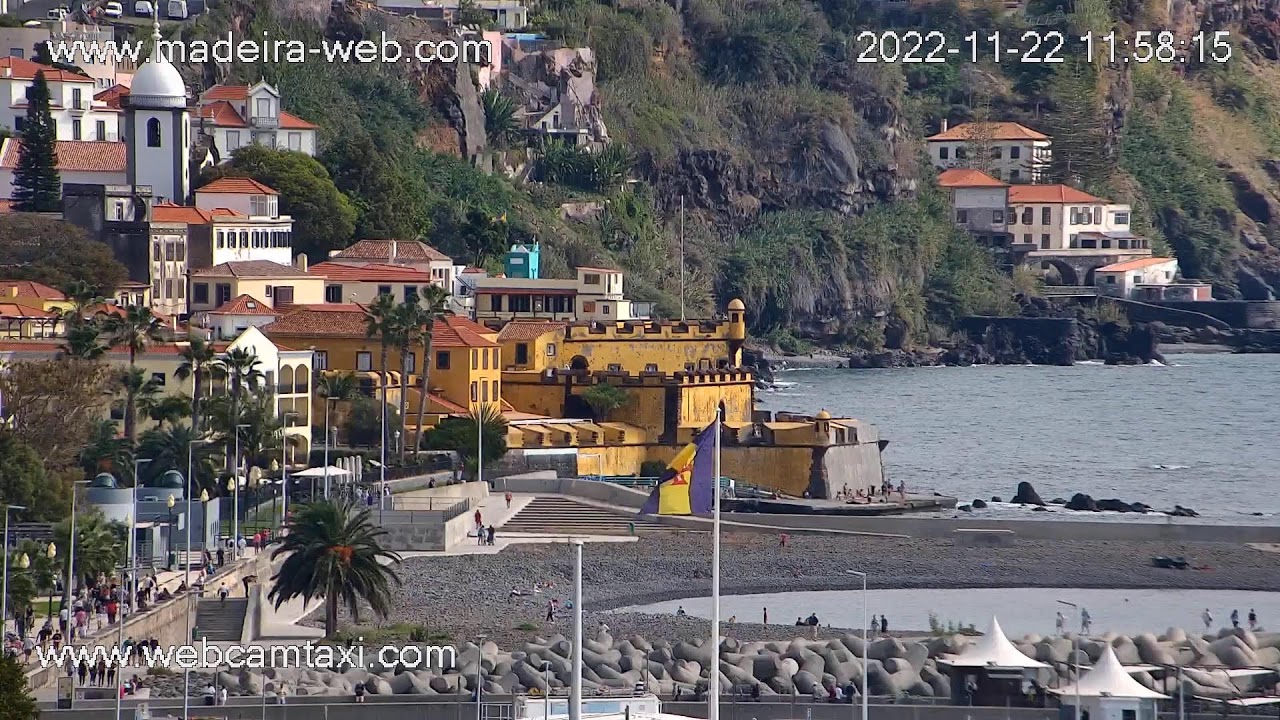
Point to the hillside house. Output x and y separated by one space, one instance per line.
1017 154
979 204
238 115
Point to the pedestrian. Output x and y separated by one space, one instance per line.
875 625
1207 617
359 692
223 592
83 671
111 675
281 694
1086 621
101 675
222 557
508 499
884 624
1253 619
246 580
1235 618
766 616
491 532
551 610
479 522
1061 623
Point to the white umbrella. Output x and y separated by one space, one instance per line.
319 472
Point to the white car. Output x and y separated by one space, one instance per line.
143 8
113 9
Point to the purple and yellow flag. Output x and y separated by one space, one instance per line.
687 486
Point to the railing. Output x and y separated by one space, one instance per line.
1068 291
264 121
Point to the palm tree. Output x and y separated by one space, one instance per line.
83 340
168 449
500 123
105 451
199 361
333 550
336 386
134 330
240 368
433 305
82 296
407 318
138 390
168 409
100 545
256 410
380 322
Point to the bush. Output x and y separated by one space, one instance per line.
364 425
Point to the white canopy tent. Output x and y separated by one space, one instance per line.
1109 679
993 651
320 472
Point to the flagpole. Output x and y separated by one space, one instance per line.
713 677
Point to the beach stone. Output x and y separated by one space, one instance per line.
917 655
940 683
978 504
1126 652
886 648
804 682
1027 495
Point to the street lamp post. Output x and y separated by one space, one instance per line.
4 598
327 402
133 537
168 536
235 501
479 671
51 552
1075 652
866 643
186 575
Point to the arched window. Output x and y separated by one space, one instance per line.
153 132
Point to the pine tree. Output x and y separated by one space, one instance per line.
18 704
37 187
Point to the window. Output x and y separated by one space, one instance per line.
1075 216
997 153
484 359
1028 215
1026 238
495 358
75 129
1111 279
200 293
244 238
17 52
1044 240
233 139
484 391
268 291
651 367
168 288
170 252
962 216
522 353
77 98
384 289
997 216
284 295
295 141
1015 175
1015 152
475 360
961 153
155 251
1120 219
410 293
223 292
442 360
495 390
588 307
333 293
604 308
18 123
473 392
155 288
182 290
551 349
153 133
100 130
410 363
1106 243
364 361
181 249
262 107
258 205
158 378
322 359
591 279
1046 215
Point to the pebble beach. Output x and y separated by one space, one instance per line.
464 596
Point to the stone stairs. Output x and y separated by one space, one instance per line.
217 621
554 515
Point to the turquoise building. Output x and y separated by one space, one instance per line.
521 261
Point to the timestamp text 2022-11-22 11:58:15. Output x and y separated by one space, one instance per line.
1042 46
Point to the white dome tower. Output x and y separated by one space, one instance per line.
157 127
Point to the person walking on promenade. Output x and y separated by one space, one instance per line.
1207 617
1061 623
1253 619
1086 621
507 497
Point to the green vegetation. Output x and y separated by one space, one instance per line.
460 435
18 703
603 399
37 186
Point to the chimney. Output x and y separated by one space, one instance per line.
13 291
300 262
393 253
7 72
944 125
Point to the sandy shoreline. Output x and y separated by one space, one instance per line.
466 595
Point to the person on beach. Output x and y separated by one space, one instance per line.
551 610
1061 623
766 616
1207 617
875 625
1086 621
1235 618
1253 619
680 611
884 624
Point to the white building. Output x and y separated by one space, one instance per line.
412 254
595 294
235 316
1018 154
71 101
246 222
364 283
156 128
979 204
1109 692
1060 218
91 162
168 265
1146 279
238 115
290 372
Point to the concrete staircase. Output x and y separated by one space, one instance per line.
217 621
554 515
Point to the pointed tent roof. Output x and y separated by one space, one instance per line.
1109 679
994 651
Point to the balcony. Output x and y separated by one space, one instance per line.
266 122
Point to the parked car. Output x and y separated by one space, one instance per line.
113 9
177 10
57 13
143 8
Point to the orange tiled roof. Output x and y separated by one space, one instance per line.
1134 264
14 311
53 346
26 70
223 114
226 212
225 92
347 320
373 272
170 213
250 268
289 121
237 185
597 269
244 305
1021 194
996 130
966 178
113 96
29 289
75 155
407 250
527 330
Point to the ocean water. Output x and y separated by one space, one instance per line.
1202 431
1021 611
